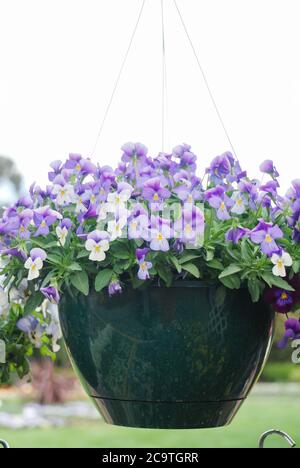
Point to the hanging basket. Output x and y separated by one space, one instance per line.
169 358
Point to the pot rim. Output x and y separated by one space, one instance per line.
188 284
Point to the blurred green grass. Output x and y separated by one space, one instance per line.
258 414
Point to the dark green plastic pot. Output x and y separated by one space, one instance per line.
180 358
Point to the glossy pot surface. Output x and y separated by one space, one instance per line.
179 357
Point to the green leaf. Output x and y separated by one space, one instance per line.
44 244
192 269
296 267
272 280
33 303
176 263
80 281
187 257
210 255
83 254
165 274
120 251
56 259
103 279
74 267
231 270
231 282
246 250
254 289
47 278
215 265
220 296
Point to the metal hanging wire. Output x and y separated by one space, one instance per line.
210 92
115 88
164 80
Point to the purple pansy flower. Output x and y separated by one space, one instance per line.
114 288
220 167
218 199
155 190
189 192
296 187
133 151
80 165
266 234
91 212
267 167
51 293
191 224
270 187
144 265
25 220
236 234
292 327
14 252
33 328
283 301
44 218
57 167
24 202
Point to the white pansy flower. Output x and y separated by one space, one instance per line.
54 328
98 244
34 267
103 211
116 202
64 194
16 295
280 262
115 228
62 234
80 207
4 303
35 263
240 203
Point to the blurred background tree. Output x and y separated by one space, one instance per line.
11 181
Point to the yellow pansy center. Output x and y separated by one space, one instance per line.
160 236
284 296
144 266
223 206
188 229
239 202
269 239
78 167
280 264
98 248
155 197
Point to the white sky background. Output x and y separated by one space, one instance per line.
59 60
